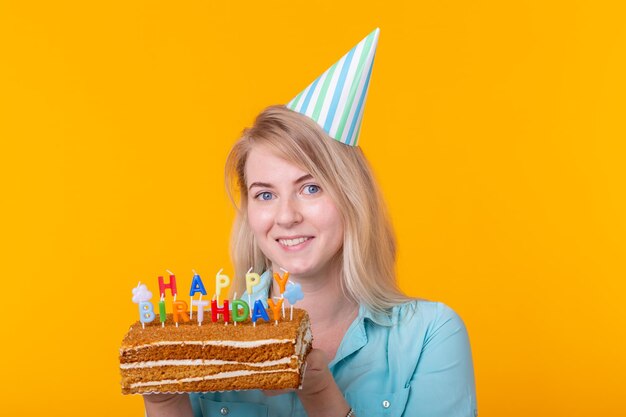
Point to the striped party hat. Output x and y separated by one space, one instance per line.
335 100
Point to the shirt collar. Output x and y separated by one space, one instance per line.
356 335
378 318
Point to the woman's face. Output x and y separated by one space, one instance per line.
294 221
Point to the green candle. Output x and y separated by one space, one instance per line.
162 315
236 314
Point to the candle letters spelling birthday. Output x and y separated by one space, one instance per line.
234 311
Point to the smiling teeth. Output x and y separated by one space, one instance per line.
293 242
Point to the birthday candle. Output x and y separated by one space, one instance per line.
275 307
179 309
141 296
196 286
171 284
162 314
146 312
259 312
293 294
281 281
252 280
244 306
200 304
233 306
221 281
224 311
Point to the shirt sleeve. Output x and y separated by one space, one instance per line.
443 381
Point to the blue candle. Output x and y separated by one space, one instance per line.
259 312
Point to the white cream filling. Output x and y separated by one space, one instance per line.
221 375
230 343
204 362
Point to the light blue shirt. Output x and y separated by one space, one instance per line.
416 362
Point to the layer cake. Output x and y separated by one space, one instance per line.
215 356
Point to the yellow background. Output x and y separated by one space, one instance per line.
496 129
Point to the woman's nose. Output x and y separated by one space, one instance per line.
288 213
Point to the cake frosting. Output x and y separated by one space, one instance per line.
215 356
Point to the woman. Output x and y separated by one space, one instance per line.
310 205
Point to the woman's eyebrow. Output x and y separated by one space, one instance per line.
303 178
260 184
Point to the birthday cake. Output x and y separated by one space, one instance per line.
215 356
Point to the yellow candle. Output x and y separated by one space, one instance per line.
221 281
252 280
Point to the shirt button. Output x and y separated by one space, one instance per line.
224 411
386 404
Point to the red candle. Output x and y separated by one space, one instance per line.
171 285
224 311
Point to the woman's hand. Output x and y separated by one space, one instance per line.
320 395
166 405
317 376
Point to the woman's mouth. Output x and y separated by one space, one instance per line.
294 242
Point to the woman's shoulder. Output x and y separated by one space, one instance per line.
421 331
425 310
427 317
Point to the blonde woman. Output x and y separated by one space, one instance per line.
310 205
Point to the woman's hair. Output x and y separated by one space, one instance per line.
369 247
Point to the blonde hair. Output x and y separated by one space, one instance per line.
369 247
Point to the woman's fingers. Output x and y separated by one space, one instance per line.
316 360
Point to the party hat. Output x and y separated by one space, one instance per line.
335 100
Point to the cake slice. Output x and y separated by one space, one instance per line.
215 356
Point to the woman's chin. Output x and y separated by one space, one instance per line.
294 269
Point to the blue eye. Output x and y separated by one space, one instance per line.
311 189
265 196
